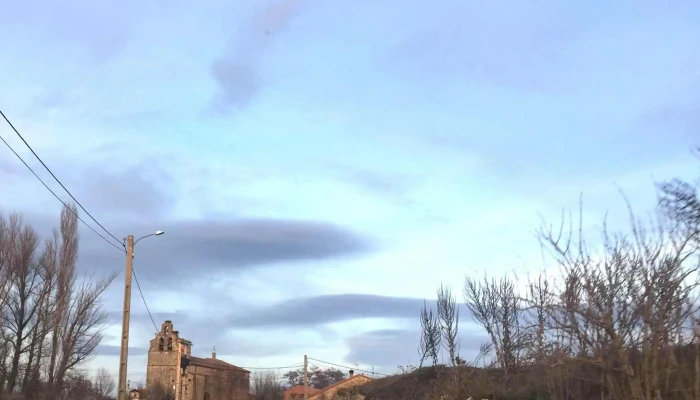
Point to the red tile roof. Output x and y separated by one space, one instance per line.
214 363
299 389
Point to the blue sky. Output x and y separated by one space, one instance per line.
321 167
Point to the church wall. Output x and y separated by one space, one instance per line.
220 384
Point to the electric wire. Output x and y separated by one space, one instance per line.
346 367
56 196
55 178
248 368
76 201
138 286
111 375
287 367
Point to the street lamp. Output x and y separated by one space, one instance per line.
124 355
156 233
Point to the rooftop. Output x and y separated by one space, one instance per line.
299 389
215 364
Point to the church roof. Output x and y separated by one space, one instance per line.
215 363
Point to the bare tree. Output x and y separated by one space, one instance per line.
50 319
266 386
39 345
65 267
448 314
103 384
78 387
624 314
79 319
616 323
495 306
431 335
679 200
538 304
6 239
23 295
82 331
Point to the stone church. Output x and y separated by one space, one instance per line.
174 374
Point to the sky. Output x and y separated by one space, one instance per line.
320 168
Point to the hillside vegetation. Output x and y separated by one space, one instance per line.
618 321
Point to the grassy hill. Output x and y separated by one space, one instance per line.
432 383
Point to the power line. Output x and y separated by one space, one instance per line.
56 196
287 367
346 367
111 375
138 286
55 178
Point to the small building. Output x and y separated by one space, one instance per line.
329 392
173 371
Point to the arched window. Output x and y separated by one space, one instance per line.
206 395
161 344
167 330
170 343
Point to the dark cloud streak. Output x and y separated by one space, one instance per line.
136 200
384 348
237 71
204 332
324 309
196 248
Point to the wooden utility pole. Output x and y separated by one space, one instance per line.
306 378
124 355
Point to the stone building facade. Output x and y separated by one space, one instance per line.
174 374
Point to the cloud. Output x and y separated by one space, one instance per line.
681 121
204 263
317 310
504 42
207 333
375 182
138 190
204 248
191 248
389 348
273 331
8 167
141 198
101 28
238 71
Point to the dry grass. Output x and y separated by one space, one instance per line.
528 383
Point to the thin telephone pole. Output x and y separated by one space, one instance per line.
124 355
306 378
